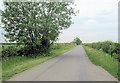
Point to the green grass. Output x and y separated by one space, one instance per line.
0 64
0 71
0 48
15 65
100 58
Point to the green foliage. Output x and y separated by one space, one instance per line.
77 41
34 24
8 51
20 50
100 58
19 64
58 46
109 47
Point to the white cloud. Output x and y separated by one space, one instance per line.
91 8
90 21
97 21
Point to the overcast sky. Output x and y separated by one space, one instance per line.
97 21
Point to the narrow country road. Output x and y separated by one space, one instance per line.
71 66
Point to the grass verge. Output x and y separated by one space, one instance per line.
0 64
17 64
100 58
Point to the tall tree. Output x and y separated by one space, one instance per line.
77 41
35 24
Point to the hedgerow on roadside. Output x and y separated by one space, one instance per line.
107 46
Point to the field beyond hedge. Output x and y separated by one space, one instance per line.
17 64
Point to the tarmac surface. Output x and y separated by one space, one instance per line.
73 65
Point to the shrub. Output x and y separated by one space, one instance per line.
10 51
109 47
56 46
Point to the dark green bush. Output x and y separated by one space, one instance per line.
10 51
109 47
29 51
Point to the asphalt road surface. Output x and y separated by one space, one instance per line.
70 66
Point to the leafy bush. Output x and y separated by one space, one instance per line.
16 50
108 46
104 60
11 51
56 46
